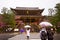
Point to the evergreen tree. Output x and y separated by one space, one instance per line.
8 18
55 19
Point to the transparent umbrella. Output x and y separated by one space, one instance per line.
27 26
45 24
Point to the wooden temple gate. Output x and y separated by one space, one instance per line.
31 15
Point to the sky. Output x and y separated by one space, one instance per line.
46 4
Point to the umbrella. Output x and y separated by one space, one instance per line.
45 24
27 26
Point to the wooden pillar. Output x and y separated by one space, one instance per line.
30 20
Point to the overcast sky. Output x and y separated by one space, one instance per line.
29 3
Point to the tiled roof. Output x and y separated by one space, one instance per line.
26 8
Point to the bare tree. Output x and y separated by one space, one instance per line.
4 10
50 10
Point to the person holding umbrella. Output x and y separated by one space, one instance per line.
43 33
28 30
45 25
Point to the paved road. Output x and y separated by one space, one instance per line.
57 37
34 36
5 36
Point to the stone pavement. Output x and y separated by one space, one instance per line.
34 36
5 36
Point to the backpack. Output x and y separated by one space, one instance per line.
43 35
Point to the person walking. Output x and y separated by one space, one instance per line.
43 33
50 34
28 33
22 30
44 24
